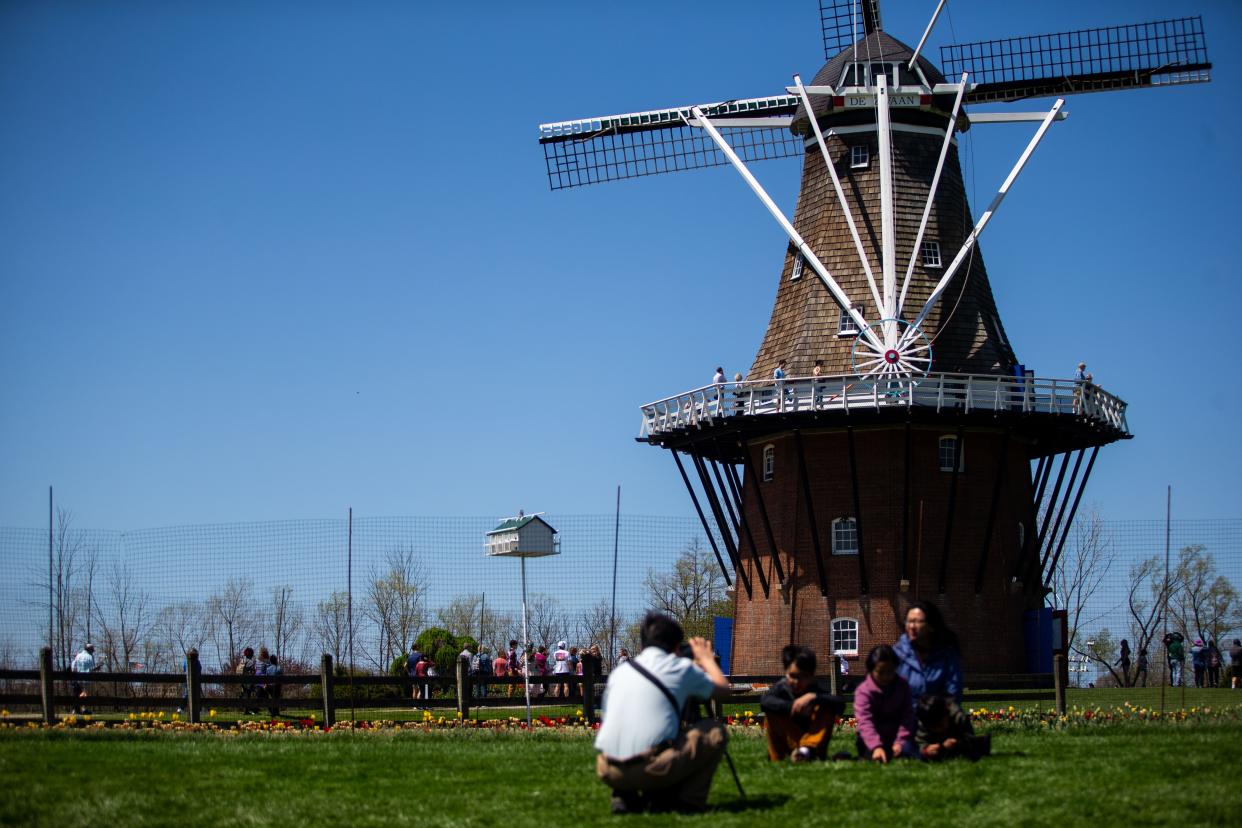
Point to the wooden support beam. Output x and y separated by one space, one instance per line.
810 512
997 485
757 489
858 521
905 513
1073 511
1056 526
193 687
722 523
707 530
735 488
948 520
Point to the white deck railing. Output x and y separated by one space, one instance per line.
956 392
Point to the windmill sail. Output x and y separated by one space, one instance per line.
1163 53
845 21
616 147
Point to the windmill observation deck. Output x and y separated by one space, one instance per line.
1069 412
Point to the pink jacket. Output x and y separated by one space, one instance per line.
885 714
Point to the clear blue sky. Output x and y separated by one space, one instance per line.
272 260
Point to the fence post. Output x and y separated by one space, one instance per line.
45 685
326 687
589 674
463 688
193 687
1060 678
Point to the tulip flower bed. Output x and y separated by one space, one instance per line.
1103 765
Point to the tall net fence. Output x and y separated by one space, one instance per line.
146 596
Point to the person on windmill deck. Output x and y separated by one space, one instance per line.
645 756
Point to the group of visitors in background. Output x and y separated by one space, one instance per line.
1205 661
265 664
561 664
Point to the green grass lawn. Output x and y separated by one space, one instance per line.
1140 774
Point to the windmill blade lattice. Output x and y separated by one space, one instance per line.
616 147
845 21
1162 53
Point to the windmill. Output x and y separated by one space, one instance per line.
902 451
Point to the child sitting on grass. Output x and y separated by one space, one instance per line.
883 709
945 731
800 715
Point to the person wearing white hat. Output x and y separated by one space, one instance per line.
561 668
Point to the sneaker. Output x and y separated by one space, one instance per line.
629 803
802 754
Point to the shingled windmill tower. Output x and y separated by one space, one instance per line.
904 453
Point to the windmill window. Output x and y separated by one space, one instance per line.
847 326
1021 536
797 267
931 254
845 636
769 463
948 447
860 156
845 536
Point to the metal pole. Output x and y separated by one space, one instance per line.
349 589
1168 509
612 620
525 645
49 568
482 618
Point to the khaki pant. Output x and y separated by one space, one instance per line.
679 775
786 734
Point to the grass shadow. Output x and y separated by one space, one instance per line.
763 802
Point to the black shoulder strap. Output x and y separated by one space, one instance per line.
668 694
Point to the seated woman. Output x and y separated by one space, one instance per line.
883 710
800 714
928 654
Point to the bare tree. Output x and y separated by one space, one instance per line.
1145 600
287 619
692 592
546 620
460 616
331 625
181 627
1203 604
127 618
496 627
396 604
594 623
73 566
234 619
1079 573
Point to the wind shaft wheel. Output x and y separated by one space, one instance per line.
904 352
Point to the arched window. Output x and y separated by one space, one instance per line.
844 636
948 447
845 536
1021 536
769 462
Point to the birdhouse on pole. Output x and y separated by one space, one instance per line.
524 536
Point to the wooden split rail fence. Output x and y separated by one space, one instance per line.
336 691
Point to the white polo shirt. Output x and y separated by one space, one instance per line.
637 715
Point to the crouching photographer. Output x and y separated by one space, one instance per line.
646 757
